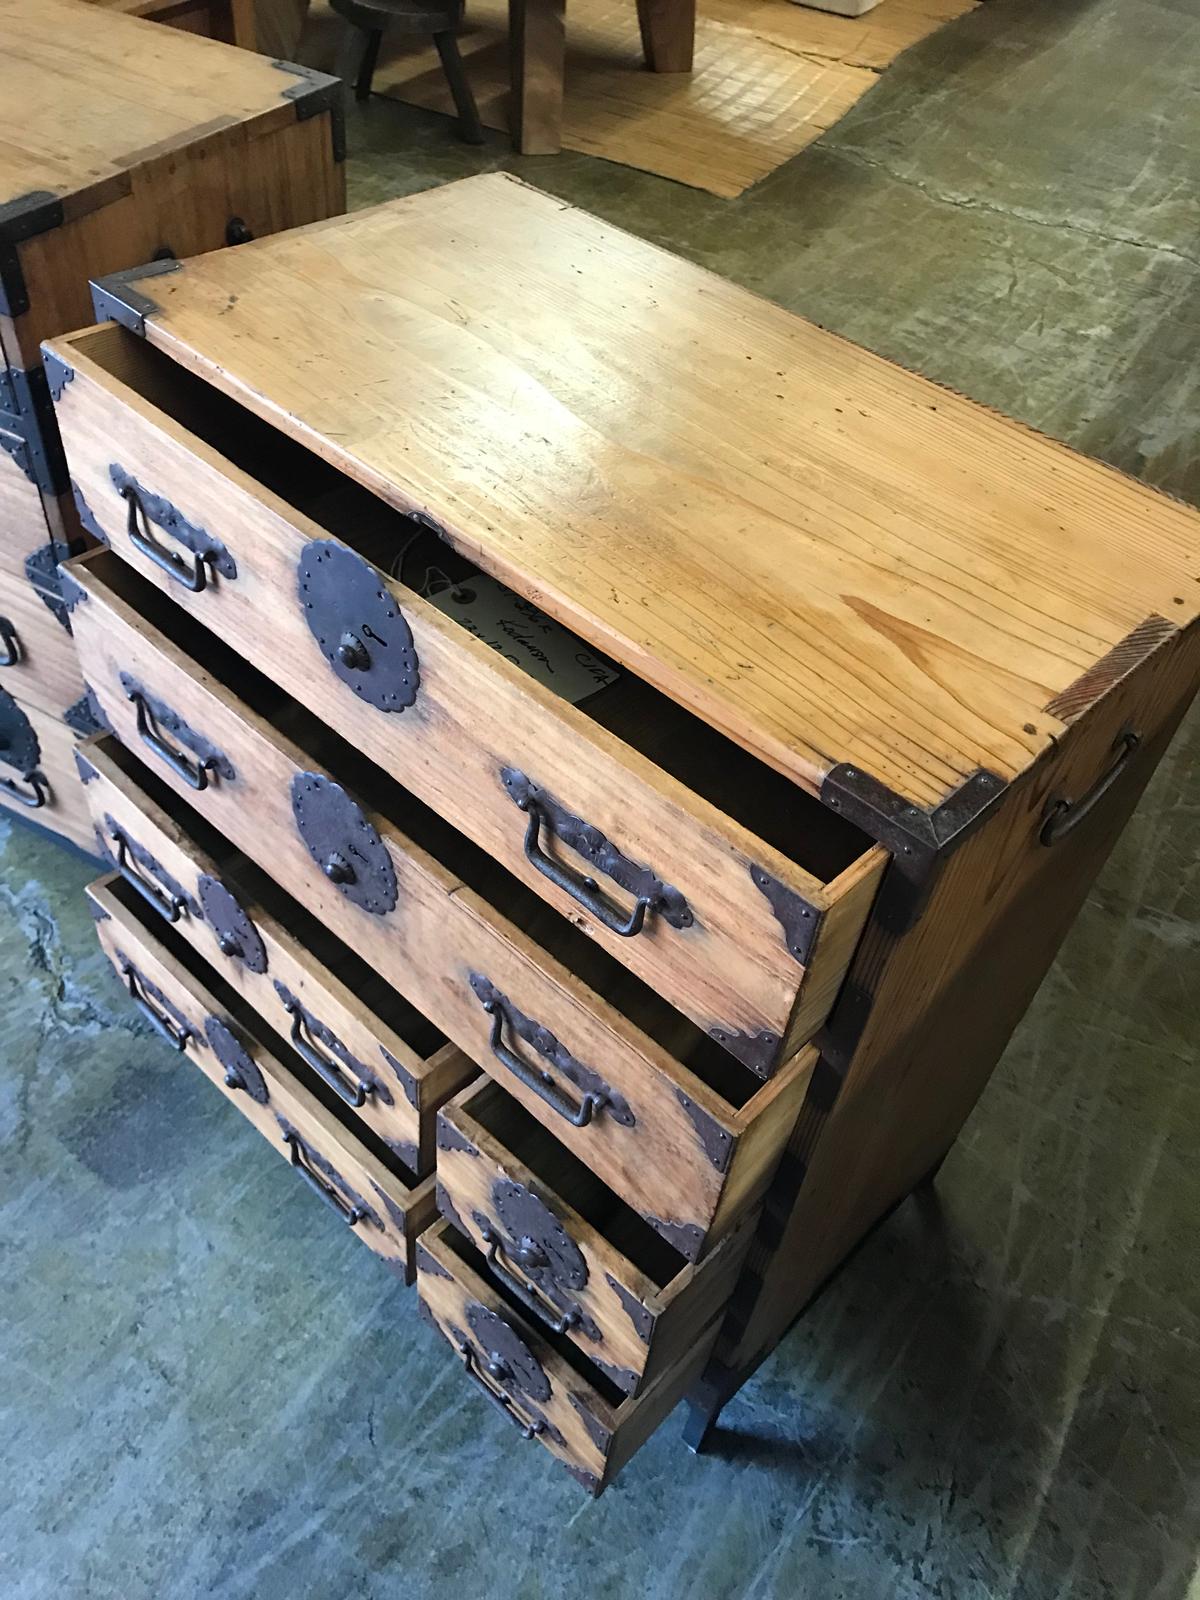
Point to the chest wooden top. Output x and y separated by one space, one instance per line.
86 93
830 559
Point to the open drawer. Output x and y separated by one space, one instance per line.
385 1206
731 891
671 1121
537 1379
373 1049
579 1260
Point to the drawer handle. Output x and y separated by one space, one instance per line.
176 1035
36 782
170 906
538 1079
498 1369
1063 816
194 774
12 644
348 1213
193 576
355 1092
528 1298
585 891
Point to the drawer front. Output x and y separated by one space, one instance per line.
542 1396
394 1091
38 779
746 943
38 662
570 1273
657 1135
383 1212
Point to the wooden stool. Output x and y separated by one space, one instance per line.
374 17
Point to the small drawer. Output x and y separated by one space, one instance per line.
38 662
728 890
199 1017
38 779
684 1132
546 1389
579 1260
373 1049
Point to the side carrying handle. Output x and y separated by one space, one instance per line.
193 575
12 644
194 773
536 1078
170 906
1063 816
353 1092
348 1213
531 1301
175 1034
497 1369
585 891
35 800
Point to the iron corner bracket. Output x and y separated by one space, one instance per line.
919 840
114 298
316 92
22 218
30 433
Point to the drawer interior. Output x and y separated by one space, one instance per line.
246 1018
713 766
472 866
421 1035
554 1165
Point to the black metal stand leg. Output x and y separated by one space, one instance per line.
925 1183
470 129
698 1429
366 67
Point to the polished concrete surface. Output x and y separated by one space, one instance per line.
208 1389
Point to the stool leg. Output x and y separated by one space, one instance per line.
366 67
470 129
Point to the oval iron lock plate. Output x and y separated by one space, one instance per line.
537 1242
19 746
343 843
240 1070
361 630
236 935
506 1357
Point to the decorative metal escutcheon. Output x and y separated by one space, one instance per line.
236 935
508 1360
240 1070
343 843
537 1242
19 745
361 630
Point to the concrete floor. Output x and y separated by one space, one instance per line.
209 1390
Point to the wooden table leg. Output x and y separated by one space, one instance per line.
537 40
668 33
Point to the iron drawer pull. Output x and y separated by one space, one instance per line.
193 577
169 906
534 1078
355 1093
583 890
176 1036
348 1213
12 644
195 775
1062 816
531 1302
34 801
498 1369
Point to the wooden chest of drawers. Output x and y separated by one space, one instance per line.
593 755
119 141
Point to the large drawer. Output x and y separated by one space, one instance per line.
38 779
38 663
200 1019
735 895
392 1067
663 1114
540 1382
570 1250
